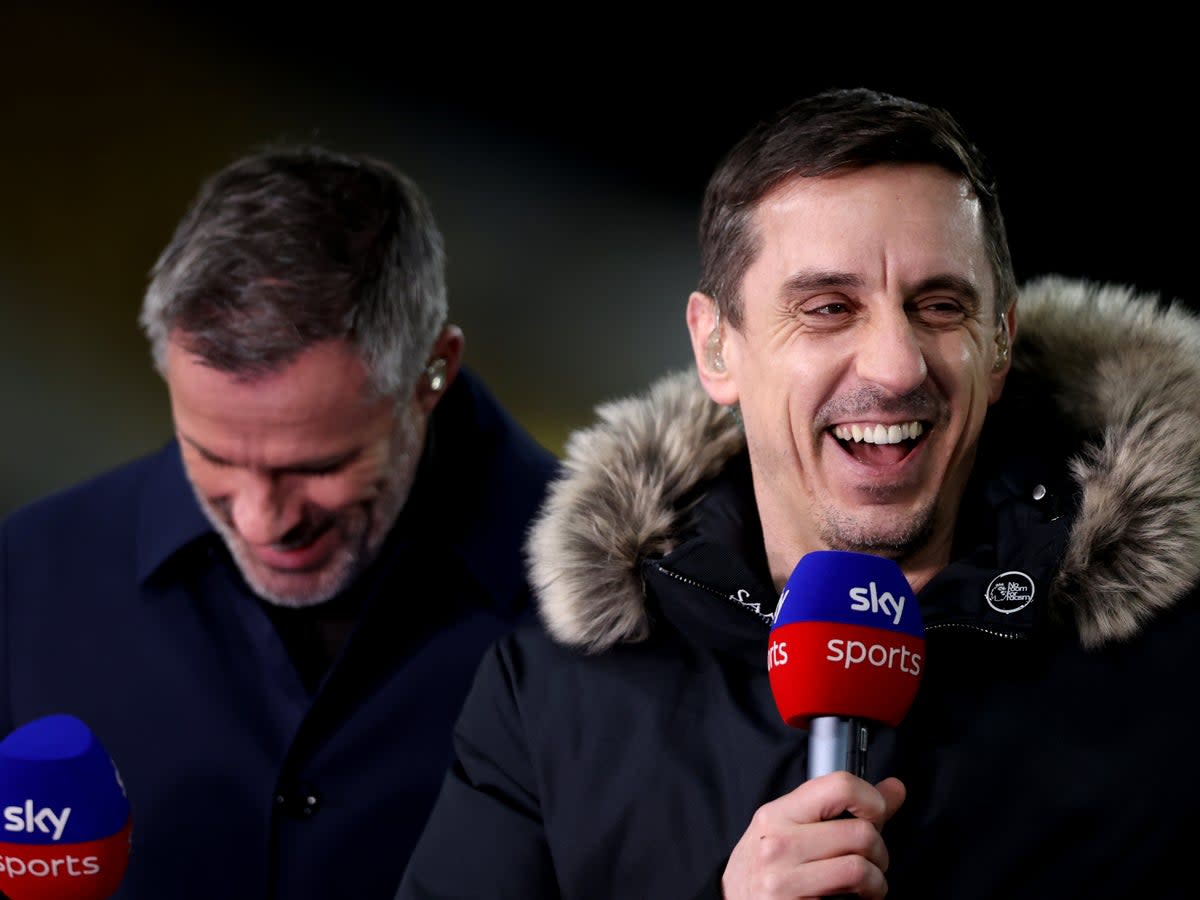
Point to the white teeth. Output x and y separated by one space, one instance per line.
879 433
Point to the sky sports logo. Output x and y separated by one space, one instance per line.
36 864
36 821
850 651
65 865
65 821
48 862
847 640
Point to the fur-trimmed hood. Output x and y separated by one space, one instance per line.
1117 365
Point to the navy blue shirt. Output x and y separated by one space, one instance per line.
249 775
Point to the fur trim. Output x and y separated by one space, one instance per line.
1127 367
1116 362
615 505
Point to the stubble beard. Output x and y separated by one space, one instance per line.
363 527
841 529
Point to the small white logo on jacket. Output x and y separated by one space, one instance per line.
1009 592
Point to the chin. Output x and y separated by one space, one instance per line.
362 540
300 589
878 530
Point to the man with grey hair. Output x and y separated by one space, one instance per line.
271 622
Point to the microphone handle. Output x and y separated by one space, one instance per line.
837 744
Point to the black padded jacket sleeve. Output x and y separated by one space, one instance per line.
485 836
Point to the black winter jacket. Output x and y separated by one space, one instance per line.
620 750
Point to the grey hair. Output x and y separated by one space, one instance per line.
289 247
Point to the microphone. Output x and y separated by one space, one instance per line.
847 649
66 822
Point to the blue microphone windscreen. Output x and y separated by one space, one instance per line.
52 764
849 588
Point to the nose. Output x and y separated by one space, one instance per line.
264 508
889 353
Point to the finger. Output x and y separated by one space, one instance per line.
844 875
799 845
821 878
893 792
834 794
841 837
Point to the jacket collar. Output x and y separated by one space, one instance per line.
1118 372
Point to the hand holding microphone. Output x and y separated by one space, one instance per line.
800 845
846 650
66 825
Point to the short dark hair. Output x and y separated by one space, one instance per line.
836 129
291 246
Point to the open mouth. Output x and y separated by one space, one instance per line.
304 549
877 443
304 535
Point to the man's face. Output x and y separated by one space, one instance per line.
302 471
869 313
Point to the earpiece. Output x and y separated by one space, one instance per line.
1001 348
712 347
435 372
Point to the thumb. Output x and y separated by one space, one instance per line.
893 792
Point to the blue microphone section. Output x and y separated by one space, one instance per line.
848 588
58 785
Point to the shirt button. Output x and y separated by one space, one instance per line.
1039 491
299 803
311 805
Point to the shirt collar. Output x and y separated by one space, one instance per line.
169 518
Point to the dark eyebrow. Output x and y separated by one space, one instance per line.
308 465
205 452
820 279
823 279
948 282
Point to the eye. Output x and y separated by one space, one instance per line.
201 455
321 470
940 310
826 305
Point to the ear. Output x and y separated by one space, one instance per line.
445 359
1005 337
707 331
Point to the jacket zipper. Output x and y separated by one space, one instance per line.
754 610
991 632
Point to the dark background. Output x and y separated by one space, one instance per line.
565 155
